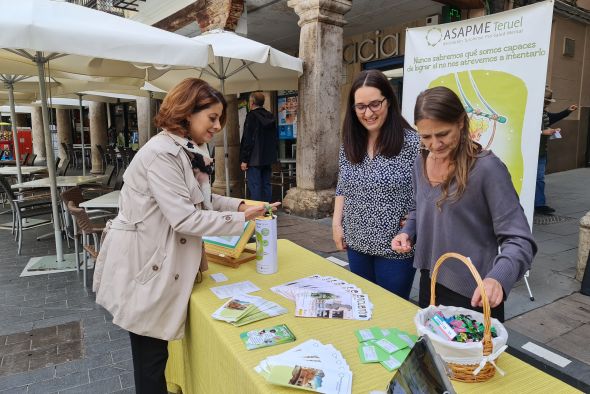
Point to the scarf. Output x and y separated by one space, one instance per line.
201 177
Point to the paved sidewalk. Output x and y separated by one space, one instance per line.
55 339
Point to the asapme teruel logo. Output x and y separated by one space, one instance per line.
464 32
433 36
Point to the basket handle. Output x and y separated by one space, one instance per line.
487 324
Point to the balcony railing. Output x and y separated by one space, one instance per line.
115 7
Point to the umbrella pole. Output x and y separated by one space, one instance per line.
149 125
82 133
19 175
225 147
39 60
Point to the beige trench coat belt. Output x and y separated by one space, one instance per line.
118 224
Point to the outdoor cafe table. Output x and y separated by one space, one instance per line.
109 200
62 181
25 170
212 358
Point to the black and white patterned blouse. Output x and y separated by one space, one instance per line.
377 194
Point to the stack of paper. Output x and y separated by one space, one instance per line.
270 336
244 309
310 366
387 346
326 297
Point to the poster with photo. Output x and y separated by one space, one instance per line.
287 107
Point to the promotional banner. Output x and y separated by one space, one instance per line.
288 105
497 65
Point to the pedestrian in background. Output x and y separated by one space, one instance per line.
259 148
546 134
374 191
464 202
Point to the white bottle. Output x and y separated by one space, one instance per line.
266 245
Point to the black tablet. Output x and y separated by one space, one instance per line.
422 372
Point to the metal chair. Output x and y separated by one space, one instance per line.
31 159
92 190
24 208
63 168
24 158
283 178
119 182
103 155
72 198
85 228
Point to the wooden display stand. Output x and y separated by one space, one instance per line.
230 251
247 255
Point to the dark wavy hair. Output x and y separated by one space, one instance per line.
355 136
188 97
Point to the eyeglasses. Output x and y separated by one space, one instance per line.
374 106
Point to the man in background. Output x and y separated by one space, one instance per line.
258 149
547 133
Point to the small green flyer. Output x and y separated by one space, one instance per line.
370 353
396 359
271 336
372 333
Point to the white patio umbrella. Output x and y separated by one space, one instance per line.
240 65
80 40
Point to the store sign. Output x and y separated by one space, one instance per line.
497 65
371 49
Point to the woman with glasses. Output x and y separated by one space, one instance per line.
464 202
374 191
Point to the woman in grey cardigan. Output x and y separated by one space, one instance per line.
464 202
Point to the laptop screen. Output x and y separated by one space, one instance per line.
422 372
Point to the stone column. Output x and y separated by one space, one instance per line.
583 245
37 135
236 175
318 120
98 133
145 123
64 130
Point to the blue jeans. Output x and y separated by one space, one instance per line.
395 275
540 185
259 183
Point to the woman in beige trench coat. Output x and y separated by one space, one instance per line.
153 249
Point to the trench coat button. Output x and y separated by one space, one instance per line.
155 267
176 277
227 218
182 241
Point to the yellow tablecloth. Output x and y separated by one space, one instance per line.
212 359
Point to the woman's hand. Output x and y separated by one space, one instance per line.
493 290
549 131
338 236
401 243
251 212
